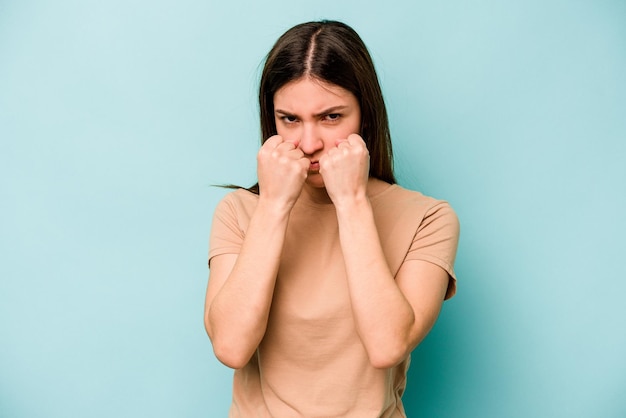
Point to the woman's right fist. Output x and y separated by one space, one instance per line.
281 169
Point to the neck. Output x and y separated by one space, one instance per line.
319 195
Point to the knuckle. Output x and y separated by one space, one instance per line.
275 154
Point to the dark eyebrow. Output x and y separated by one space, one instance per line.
283 112
330 110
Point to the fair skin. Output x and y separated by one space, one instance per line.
318 155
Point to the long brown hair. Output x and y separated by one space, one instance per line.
333 52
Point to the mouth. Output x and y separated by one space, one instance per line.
314 167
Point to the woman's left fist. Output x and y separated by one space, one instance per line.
345 169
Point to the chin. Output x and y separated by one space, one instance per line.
315 180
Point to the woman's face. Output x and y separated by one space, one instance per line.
316 114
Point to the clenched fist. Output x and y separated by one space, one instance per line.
345 169
282 170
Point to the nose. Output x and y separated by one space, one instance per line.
310 140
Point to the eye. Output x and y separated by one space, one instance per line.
287 119
332 117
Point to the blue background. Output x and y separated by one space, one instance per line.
116 118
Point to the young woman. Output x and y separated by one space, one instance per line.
326 274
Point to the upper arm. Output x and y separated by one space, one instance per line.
436 241
225 242
424 286
219 269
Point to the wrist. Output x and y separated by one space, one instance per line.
352 204
273 208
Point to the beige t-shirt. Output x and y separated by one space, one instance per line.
311 362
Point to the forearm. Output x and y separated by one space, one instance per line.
237 315
384 317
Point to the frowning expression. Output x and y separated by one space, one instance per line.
317 114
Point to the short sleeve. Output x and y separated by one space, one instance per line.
226 234
436 241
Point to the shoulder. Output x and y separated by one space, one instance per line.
400 201
230 222
434 226
238 200
240 196
235 208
